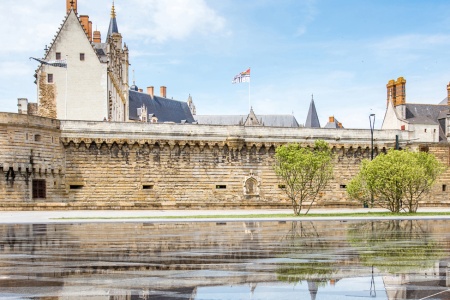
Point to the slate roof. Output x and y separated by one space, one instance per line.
312 120
428 114
265 120
166 110
334 124
424 113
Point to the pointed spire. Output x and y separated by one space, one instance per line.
113 23
312 120
113 11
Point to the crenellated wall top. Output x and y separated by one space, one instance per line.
234 136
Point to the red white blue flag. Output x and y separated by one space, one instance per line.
242 77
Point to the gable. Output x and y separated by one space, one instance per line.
70 39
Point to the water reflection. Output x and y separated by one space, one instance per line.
231 260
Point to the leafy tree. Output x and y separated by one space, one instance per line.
396 181
304 171
395 246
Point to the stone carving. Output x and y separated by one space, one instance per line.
251 185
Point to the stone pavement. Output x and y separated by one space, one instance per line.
74 216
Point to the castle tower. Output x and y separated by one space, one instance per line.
71 4
448 94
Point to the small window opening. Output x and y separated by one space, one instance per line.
444 187
281 186
147 187
58 55
221 223
424 148
82 56
39 191
49 78
425 130
221 187
37 138
76 186
343 186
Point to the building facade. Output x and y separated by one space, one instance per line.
94 84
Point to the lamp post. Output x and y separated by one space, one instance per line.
372 126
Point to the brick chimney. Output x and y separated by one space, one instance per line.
400 92
151 90
85 22
90 31
163 91
97 37
448 94
71 4
331 119
140 90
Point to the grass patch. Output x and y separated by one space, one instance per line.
266 216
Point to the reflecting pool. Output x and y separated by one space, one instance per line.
386 259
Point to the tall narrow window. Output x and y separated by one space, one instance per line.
58 55
39 191
49 78
82 56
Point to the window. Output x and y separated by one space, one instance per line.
221 187
76 186
147 187
49 78
37 138
444 187
425 130
343 186
281 186
424 149
82 56
39 189
58 55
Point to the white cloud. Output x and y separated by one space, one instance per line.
309 12
161 20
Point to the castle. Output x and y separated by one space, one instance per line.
94 142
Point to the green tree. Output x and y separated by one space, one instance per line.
396 181
304 172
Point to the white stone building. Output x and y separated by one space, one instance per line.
94 86
424 122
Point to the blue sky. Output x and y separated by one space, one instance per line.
343 52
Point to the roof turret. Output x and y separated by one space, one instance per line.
113 28
312 120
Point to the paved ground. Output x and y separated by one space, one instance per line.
8 217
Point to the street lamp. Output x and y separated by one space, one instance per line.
372 126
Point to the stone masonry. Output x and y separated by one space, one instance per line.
111 165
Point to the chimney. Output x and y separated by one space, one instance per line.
90 31
390 88
85 22
151 91
140 90
400 91
163 91
22 106
97 37
448 93
340 125
71 4
331 119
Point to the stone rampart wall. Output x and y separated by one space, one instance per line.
103 165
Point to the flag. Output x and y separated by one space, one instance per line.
62 63
242 77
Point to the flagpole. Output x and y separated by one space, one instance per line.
65 100
249 98
249 101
